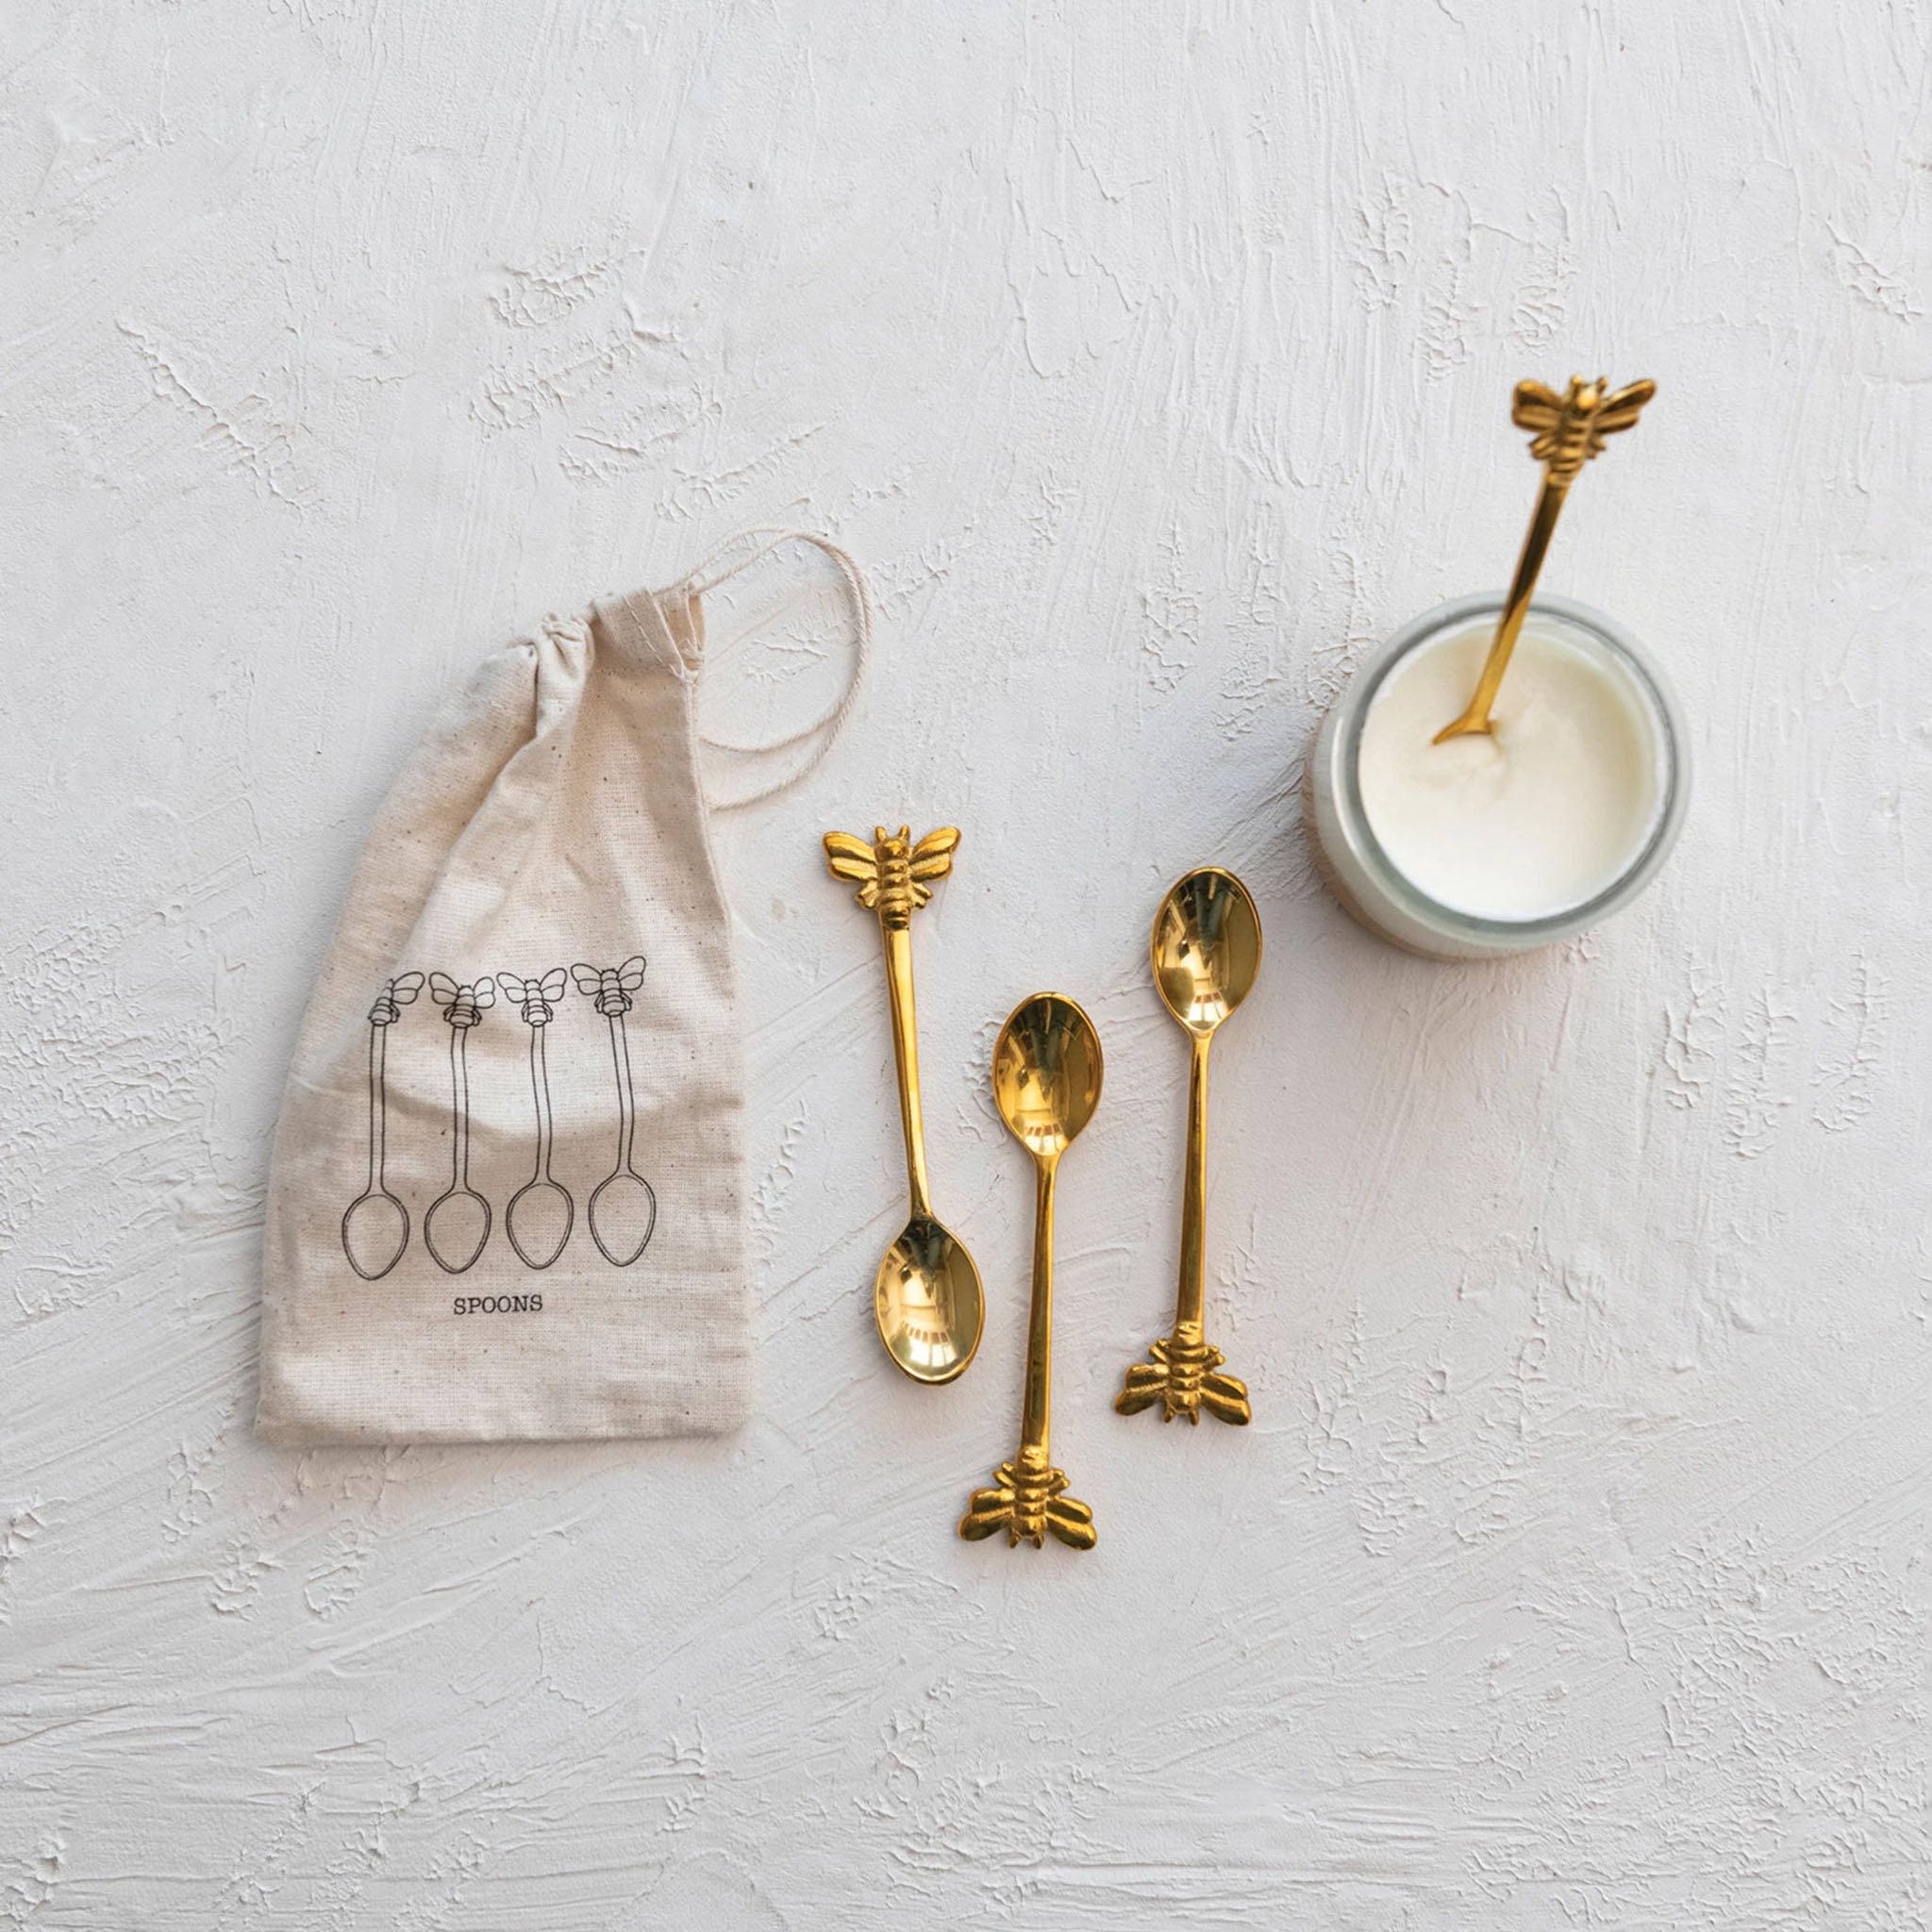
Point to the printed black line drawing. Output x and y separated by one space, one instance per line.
538 1220
458 1223
622 1204
376 1224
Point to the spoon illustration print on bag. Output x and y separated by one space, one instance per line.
622 1210
458 1222
541 1212
376 1224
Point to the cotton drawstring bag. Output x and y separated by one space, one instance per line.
507 1199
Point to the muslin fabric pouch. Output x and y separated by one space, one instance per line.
507 1199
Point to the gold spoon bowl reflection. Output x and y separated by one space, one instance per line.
1206 948
927 1302
1046 1073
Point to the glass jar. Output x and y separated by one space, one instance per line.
1359 872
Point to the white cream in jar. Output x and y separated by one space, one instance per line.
1541 816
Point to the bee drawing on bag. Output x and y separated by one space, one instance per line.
623 1210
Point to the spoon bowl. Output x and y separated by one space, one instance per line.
1206 948
623 1212
376 1230
538 1221
1046 1073
456 1228
929 1303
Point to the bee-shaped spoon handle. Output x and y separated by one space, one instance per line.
1569 430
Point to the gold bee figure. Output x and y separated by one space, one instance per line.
1182 1379
892 872
1567 431
1029 1502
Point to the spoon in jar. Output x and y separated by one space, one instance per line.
1569 430
1205 950
926 1298
1046 1073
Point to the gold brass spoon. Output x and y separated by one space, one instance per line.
1206 949
1046 1072
927 1297
1570 429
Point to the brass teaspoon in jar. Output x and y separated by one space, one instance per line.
1206 949
1569 430
927 1297
1046 1072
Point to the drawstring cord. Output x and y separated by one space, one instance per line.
826 727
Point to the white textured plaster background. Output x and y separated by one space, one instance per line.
1155 360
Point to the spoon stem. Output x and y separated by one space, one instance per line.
1536 546
1036 1410
540 1099
378 1101
1191 1297
627 1100
898 942
460 1110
